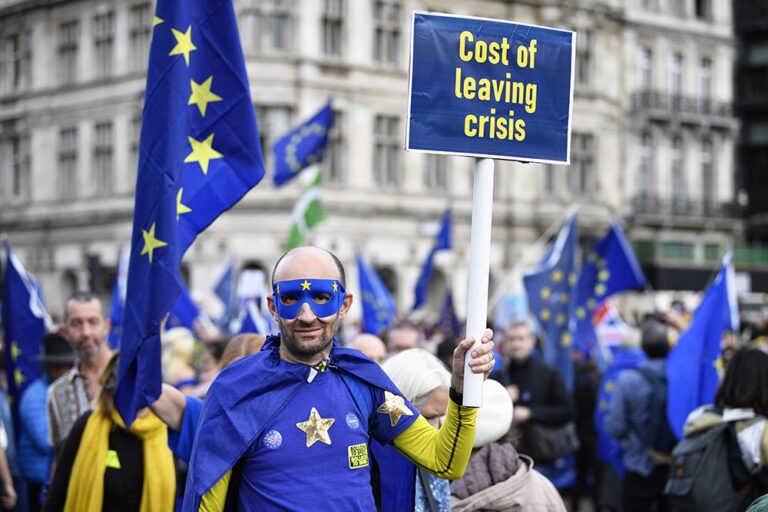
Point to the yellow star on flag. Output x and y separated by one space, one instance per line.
545 315
394 405
572 279
560 319
15 350
184 45
545 293
305 285
181 208
591 303
600 263
600 289
580 313
564 298
566 339
150 242
603 275
557 276
609 386
202 95
158 20
316 428
18 377
202 152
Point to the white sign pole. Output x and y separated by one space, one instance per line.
479 263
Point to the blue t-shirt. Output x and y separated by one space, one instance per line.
280 472
181 442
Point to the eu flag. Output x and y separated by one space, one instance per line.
303 146
610 267
184 312
443 242
24 320
691 374
549 287
378 307
199 154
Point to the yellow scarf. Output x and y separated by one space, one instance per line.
85 491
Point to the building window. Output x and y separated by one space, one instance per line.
134 152
646 69
15 62
335 155
141 26
648 5
15 167
388 276
646 171
677 171
69 34
707 174
103 43
677 251
268 25
582 169
274 122
712 252
387 166
386 38
678 8
68 183
436 172
703 9
705 85
676 81
583 56
333 27
103 164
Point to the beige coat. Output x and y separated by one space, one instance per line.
526 490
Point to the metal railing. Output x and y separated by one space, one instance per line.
658 101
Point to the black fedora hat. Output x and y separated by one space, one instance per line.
56 349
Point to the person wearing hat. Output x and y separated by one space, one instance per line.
497 477
35 450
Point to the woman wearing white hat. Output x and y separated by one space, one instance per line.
497 478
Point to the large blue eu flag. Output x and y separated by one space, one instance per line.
610 267
199 154
25 321
550 287
443 242
691 373
379 309
303 146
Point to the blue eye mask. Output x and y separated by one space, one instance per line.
324 296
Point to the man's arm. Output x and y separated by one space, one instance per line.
31 409
169 407
615 419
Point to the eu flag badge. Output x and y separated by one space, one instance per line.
199 154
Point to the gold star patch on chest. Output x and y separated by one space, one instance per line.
316 428
394 405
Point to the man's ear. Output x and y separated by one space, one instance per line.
345 306
271 306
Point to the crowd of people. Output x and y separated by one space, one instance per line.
376 422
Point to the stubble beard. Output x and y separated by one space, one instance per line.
304 352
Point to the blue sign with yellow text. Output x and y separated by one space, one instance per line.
489 88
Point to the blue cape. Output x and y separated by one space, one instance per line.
246 397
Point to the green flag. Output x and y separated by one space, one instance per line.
307 213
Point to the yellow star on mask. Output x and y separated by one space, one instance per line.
202 152
202 95
184 45
181 209
335 287
150 242
394 405
316 428
305 285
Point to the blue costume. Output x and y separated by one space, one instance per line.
300 434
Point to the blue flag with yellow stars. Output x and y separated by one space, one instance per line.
610 267
443 242
24 321
184 312
303 146
199 154
550 287
691 365
379 309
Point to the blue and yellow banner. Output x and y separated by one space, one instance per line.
490 88
199 154
303 146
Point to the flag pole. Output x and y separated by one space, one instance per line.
479 267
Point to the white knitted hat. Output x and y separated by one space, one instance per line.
495 416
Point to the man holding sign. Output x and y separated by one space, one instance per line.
305 402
